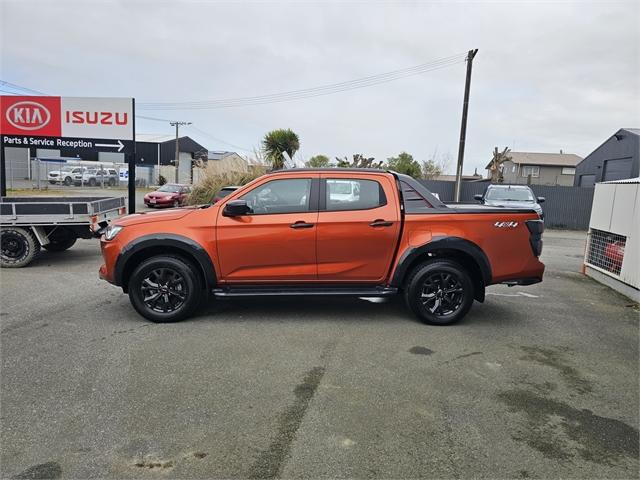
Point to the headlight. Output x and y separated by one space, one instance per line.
112 231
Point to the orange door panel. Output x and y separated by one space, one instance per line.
356 238
267 247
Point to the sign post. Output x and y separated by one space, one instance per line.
132 163
75 123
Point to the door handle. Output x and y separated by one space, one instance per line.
301 224
380 223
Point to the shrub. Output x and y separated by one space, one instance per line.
161 180
211 183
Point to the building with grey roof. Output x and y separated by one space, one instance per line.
616 159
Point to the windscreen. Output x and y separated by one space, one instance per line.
510 195
169 188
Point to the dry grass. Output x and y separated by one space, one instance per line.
211 183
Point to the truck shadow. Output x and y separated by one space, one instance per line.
303 309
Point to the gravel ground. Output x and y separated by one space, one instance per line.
537 382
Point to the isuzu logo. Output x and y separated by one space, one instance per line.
28 115
95 118
505 224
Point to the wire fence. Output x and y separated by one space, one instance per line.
605 250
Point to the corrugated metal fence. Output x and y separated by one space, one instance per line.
564 207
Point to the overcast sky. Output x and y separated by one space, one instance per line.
548 75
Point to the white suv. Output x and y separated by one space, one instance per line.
65 175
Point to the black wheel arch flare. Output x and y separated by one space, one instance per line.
414 255
164 243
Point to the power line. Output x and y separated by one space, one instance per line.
19 87
308 92
202 132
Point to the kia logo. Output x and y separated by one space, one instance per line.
28 115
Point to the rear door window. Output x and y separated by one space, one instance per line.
353 194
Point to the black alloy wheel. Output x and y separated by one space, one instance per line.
439 291
165 288
442 293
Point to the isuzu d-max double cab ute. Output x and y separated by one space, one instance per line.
295 232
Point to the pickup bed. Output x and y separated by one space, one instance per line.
323 232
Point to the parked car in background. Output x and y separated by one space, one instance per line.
97 176
512 196
223 193
168 195
65 175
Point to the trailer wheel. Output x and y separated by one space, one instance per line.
19 247
60 245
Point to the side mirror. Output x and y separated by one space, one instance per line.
478 197
540 199
236 208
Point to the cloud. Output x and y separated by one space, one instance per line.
548 76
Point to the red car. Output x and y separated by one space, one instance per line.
169 195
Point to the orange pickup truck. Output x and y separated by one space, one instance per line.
363 233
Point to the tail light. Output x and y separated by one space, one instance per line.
536 227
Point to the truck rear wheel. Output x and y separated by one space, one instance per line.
439 292
165 289
19 247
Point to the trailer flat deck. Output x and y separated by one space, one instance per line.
59 210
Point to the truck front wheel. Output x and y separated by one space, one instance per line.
439 292
19 247
165 289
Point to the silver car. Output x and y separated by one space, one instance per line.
97 176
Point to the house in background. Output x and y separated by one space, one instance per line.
529 168
226 162
476 177
616 159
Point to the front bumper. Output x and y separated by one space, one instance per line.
159 203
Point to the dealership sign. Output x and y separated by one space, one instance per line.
79 123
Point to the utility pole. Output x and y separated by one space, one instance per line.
463 127
177 124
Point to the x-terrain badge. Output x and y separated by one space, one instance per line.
505 224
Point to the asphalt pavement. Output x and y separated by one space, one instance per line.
537 382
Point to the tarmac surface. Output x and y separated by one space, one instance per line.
537 382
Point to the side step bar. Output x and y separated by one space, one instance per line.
317 290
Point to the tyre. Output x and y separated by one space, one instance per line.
60 245
68 181
92 182
19 247
52 182
176 204
439 292
165 289
112 182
